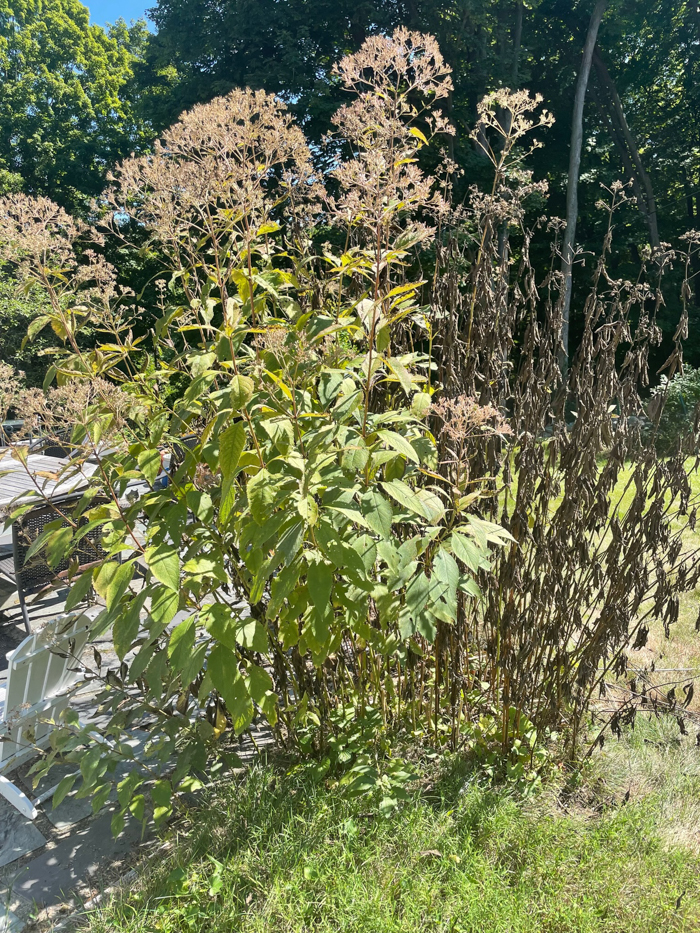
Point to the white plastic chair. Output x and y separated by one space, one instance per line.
37 689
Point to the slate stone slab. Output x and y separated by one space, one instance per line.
9 922
18 835
51 876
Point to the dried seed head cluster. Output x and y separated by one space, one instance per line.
10 388
273 340
56 411
36 231
463 418
38 237
217 174
398 81
507 113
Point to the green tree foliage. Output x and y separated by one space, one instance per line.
287 48
68 102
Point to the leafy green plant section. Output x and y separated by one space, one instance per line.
309 542
677 425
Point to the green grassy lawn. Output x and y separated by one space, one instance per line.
275 852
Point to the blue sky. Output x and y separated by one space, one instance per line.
108 11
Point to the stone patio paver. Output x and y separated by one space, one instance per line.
51 877
10 922
18 835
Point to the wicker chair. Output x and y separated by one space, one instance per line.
34 575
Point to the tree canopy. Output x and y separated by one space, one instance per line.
68 108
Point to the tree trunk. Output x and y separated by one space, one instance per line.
608 119
517 42
574 168
618 117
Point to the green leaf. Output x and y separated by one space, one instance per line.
228 500
417 593
355 456
395 468
308 509
253 635
161 795
201 362
164 563
414 131
468 552
354 515
290 543
489 531
150 464
261 495
164 605
319 579
328 386
346 405
406 497
241 392
446 570
413 617
281 433
64 788
79 590
259 683
206 565
181 644
222 668
220 622
402 375
37 325
446 573
200 504
433 508
420 404
280 588
225 627
366 550
377 512
117 823
57 546
127 624
112 580
126 788
399 443
231 445
338 551
137 807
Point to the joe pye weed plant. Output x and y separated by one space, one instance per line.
307 536
337 551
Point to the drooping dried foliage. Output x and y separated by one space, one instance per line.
601 522
395 506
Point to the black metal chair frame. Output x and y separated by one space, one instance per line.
52 446
180 448
35 576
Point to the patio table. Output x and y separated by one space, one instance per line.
42 475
